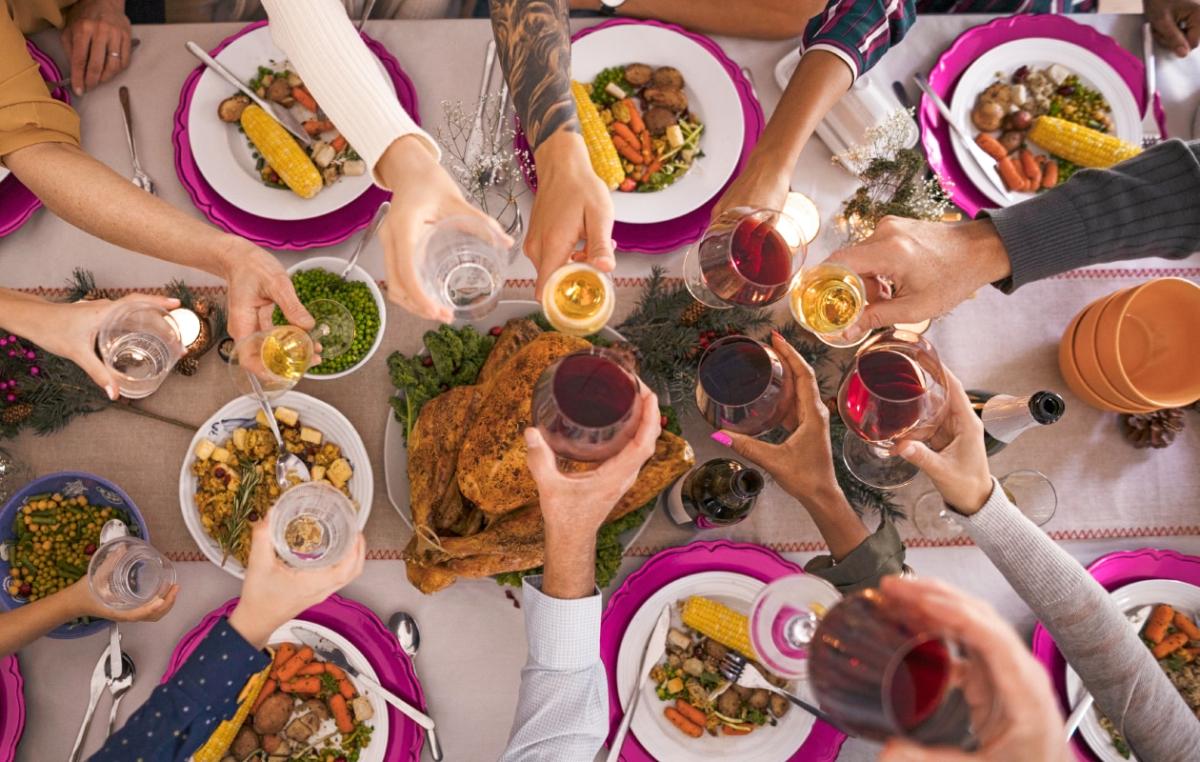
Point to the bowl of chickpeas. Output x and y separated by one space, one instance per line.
48 533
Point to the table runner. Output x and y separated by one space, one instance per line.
1106 488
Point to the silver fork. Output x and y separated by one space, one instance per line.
118 686
1151 135
140 178
734 669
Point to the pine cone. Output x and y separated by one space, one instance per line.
692 314
188 365
1156 429
96 294
17 413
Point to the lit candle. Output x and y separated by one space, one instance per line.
187 325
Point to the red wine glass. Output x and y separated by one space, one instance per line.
740 386
587 405
746 258
880 674
895 389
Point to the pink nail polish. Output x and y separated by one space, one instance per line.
721 438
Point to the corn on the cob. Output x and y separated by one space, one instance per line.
282 152
720 623
1081 145
601 151
215 748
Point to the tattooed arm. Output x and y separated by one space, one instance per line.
572 204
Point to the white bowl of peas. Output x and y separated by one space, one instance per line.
317 278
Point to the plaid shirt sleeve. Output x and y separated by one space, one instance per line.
859 32
562 711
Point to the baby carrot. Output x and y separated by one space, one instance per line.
314 668
1010 174
1160 620
683 723
282 654
647 148
1031 169
1184 624
635 116
293 665
309 686
691 712
335 671
346 689
627 149
304 98
729 730
1169 645
990 146
625 133
338 143
268 688
341 713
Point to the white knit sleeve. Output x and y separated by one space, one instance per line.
342 74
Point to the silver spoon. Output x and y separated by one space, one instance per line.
366 237
118 687
112 529
286 463
405 628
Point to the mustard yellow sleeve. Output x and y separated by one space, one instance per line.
28 115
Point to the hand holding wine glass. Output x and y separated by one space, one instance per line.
959 468
1016 713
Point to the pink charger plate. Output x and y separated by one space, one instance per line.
823 742
12 707
17 203
1113 571
359 625
663 237
325 230
974 42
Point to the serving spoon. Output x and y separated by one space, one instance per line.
286 463
405 628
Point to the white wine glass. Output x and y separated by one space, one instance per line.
578 299
279 357
828 299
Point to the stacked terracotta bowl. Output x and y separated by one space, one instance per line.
1136 350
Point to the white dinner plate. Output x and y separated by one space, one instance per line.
1179 595
224 156
653 730
240 412
712 98
379 723
395 448
1038 53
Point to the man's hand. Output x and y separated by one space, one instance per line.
257 283
575 505
97 38
1013 707
571 205
932 266
959 469
274 592
422 195
1176 24
763 184
803 464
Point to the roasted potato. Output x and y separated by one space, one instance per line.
230 110
245 743
273 714
668 77
638 74
669 98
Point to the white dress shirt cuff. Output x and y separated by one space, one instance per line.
562 634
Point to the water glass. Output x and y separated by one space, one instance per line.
140 343
128 572
462 265
313 525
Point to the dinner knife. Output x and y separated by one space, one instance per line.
285 118
656 646
332 654
985 162
115 668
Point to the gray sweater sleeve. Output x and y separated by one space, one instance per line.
1148 206
1094 636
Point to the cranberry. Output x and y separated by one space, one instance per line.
1020 74
252 516
496 330
26 590
1066 90
90 549
427 361
704 343
662 421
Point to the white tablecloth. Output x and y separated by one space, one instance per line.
473 642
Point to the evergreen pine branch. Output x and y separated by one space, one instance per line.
81 283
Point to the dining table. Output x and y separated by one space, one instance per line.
1111 496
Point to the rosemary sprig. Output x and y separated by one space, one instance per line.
232 539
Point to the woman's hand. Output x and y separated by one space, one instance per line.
85 603
803 464
257 283
76 327
1017 712
574 506
422 195
97 38
1176 24
763 184
959 470
274 592
571 205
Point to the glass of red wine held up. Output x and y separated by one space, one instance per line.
587 404
740 386
894 390
881 674
747 258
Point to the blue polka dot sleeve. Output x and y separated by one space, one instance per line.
182 713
